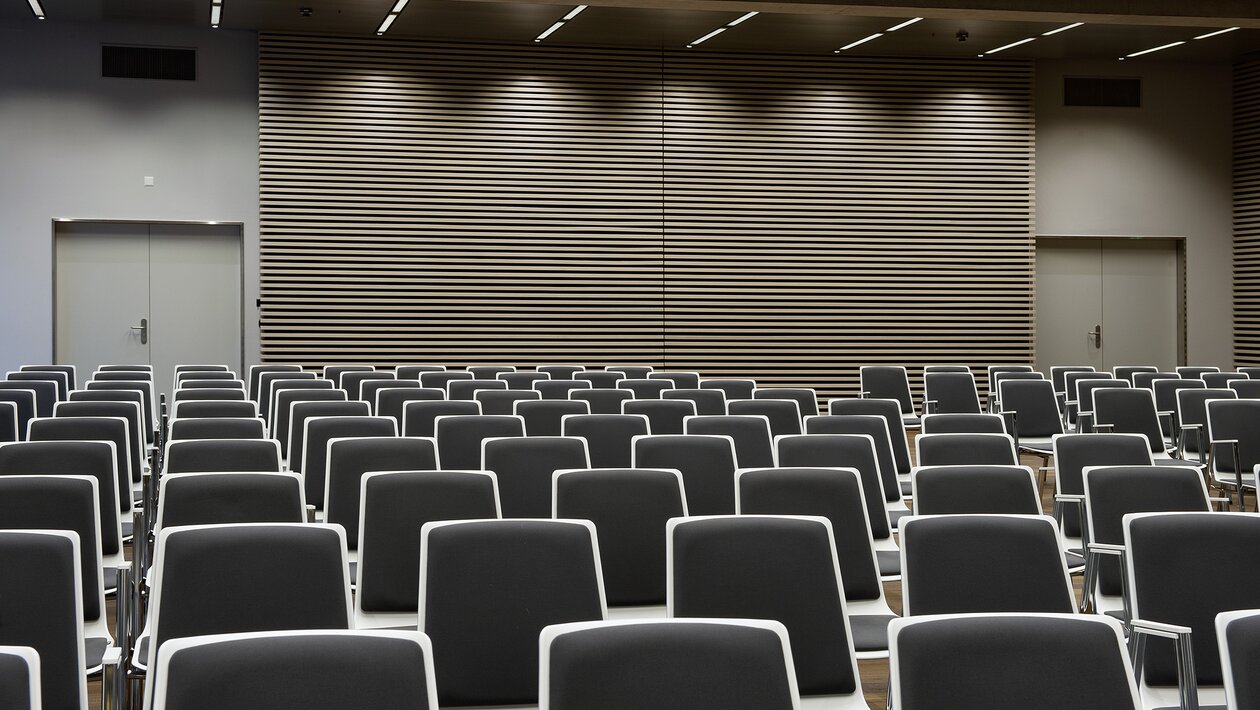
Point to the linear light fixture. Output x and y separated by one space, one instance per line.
1064 28
877 35
1218 32
1026 40
907 23
742 18
36 8
216 12
393 15
1170 45
560 23
1005 47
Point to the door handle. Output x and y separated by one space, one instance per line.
1096 334
144 330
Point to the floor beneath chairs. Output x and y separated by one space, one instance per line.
874 673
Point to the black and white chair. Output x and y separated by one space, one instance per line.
732 388
19 678
1034 419
783 415
23 403
1194 372
503 401
273 384
560 389
707 401
898 436
370 390
889 382
420 417
1126 372
545 417
282 425
665 416
195 409
352 382
1192 420
560 372
318 440
983 423
222 455
524 466
950 393
441 378
877 428
1233 427
682 380
334 373
413 372
631 371
301 411
599 379
352 458
522 380
70 371
645 388
951 490
390 401
8 421
609 437
460 437
239 497
754 447
110 429
1073 453
706 462
257 371
465 389
1222 379
805 397
965 450
1237 633
603 400
218 428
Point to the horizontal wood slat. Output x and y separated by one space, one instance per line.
776 217
1247 213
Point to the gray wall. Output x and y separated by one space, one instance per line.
1161 170
73 144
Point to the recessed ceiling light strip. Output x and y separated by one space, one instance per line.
742 18
877 35
1170 45
1026 40
393 15
36 8
907 23
1218 32
560 23
216 12
1064 28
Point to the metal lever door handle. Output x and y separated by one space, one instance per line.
144 330
1096 334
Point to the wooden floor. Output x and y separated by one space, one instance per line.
874 673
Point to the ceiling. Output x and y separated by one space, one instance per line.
643 27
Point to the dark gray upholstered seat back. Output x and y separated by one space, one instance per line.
285 399
966 450
608 436
465 389
257 577
833 493
460 437
707 464
681 380
560 372
489 372
1085 390
1238 420
601 379
420 416
111 429
334 373
544 417
890 411
733 389
963 424
887 382
707 401
1146 380
560 389
223 393
805 397
1073 452
997 662
320 431
442 378
1221 379
503 401
270 407
1126 372
70 371
521 380
645 388
488 588
296 672
217 498
856 451
1194 372
218 428
73 458
45 393
951 392
395 507
1246 389
784 569
349 459
352 382
1192 409
391 401
1115 491
413 372
369 389
301 411
41 609
58 503
631 371
871 425
129 411
19 677
1166 398
1185 569
257 371
1240 644
665 416
1035 406
603 400
216 409
59 378
754 447
24 408
524 466
948 490
214 383
222 455
1129 411
959 564
1058 375
784 415
629 508
679 665
8 421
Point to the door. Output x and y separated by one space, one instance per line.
139 293
1109 301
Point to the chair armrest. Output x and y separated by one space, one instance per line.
1104 548
1103 428
1187 681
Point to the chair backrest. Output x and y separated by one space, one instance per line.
995 372
665 416
1194 372
126 367
45 393
603 401
784 568
754 447
608 436
1058 375
413 372
1234 420
9 421
856 451
524 466
733 388
1126 372
503 401
951 393
946 368
283 415
300 411
710 402
873 426
1184 569
890 411
783 415
963 424
42 608
522 380
682 380
128 411
320 433
560 372
465 389
19 678
75 458
218 428
369 389
806 397
604 379
645 388
294 670
419 417
832 493
213 383
392 401
958 564
544 417
335 373
1221 379
720 663
631 371
460 437
629 507
998 661
195 409
111 429
1238 634
1000 377
1035 407
225 455
70 371
560 389
1129 410
1146 380
393 506
965 450
257 371
706 462
1246 389
441 379
204 372
488 587
61 379
210 579
887 382
271 405
1111 492
949 490
216 498
222 393
1166 394
350 459
23 402
1073 452
1071 379
352 382
1192 410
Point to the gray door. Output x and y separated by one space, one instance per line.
139 293
1108 302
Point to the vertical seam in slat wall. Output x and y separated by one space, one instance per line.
1247 213
778 217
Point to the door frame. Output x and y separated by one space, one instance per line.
1179 243
240 239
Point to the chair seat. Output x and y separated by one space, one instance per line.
94 653
870 632
128 528
907 489
889 562
895 516
911 421
1036 444
1075 562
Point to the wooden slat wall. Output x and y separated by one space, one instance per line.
776 217
1247 214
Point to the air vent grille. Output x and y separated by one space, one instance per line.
1102 91
124 62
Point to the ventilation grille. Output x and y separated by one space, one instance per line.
124 62
1102 91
